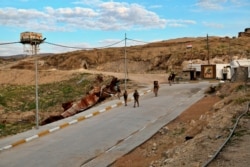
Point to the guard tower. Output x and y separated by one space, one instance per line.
34 40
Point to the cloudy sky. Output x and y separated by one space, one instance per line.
97 23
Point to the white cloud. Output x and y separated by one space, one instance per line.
124 16
213 25
26 18
180 23
105 16
88 2
211 4
71 12
220 4
240 3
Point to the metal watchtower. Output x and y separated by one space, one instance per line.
34 40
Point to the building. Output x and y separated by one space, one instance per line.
246 33
212 71
223 68
192 72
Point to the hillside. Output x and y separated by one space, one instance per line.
157 56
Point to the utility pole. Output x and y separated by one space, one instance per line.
36 69
229 50
208 58
125 64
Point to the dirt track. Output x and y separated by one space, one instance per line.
27 77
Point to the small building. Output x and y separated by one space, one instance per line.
237 70
223 69
192 71
246 33
200 71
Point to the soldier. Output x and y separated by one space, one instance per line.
136 98
156 88
171 78
125 95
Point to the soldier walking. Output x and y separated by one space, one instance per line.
125 96
136 98
156 88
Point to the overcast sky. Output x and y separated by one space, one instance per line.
96 23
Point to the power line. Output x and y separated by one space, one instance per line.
9 43
137 40
64 46
111 44
72 47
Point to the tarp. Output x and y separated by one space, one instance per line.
237 63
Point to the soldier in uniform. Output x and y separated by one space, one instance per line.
136 98
125 96
156 88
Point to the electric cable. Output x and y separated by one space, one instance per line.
81 48
9 43
137 40
110 44
63 46
72 47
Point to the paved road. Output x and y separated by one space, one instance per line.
102 139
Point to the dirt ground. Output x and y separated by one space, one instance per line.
193 138
190 140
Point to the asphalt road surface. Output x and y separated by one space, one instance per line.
100 140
